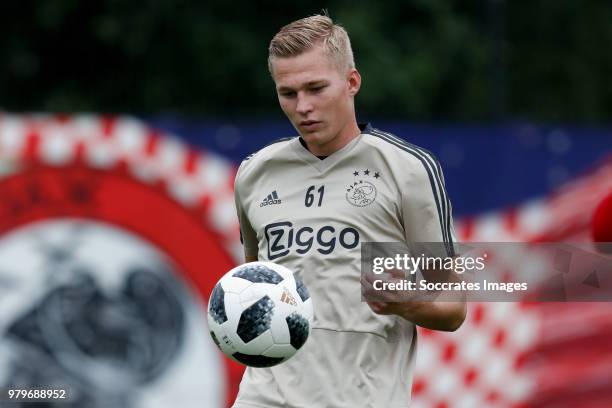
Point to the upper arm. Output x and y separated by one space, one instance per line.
248 236
426 209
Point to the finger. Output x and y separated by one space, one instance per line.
369 277
375 306
379 307
367 289
366 283
397 274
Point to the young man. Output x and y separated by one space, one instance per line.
309 202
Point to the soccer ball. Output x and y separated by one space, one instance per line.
259 314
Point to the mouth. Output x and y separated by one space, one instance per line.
310 125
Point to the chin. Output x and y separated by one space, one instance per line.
315 137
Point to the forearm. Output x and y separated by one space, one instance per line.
441 311
434 315
446 316
446 311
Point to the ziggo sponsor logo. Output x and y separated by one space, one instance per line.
282 238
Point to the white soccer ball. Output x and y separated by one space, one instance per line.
259 314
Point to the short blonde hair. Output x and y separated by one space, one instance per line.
302 35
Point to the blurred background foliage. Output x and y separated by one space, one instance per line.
420 60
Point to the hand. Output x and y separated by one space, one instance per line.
385 302
419 307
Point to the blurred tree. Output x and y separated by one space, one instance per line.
420 59
560 65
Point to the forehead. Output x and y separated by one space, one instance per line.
312 65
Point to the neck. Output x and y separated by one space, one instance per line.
344 137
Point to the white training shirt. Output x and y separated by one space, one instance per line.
311 215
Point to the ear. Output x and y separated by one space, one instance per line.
353 81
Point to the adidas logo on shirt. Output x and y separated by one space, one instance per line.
271 199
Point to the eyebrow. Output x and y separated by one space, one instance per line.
307 84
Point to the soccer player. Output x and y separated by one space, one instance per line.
309 202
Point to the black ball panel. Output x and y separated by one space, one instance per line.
255 319
258 274
257 361
298 330
217 304
302 290
214 337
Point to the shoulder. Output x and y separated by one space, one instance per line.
412 159
270 148
392 144
258 160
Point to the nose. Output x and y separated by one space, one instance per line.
304 106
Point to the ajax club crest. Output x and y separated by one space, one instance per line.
98 295
362 191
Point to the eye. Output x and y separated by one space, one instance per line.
317 89
287 94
